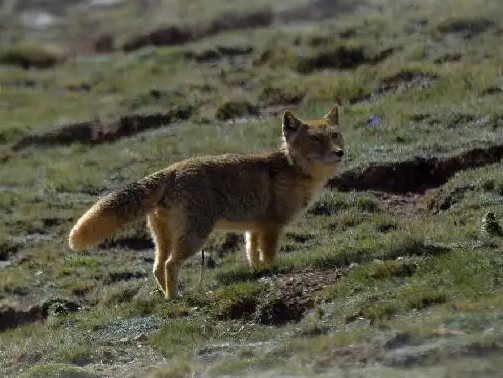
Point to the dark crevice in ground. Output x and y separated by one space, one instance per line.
341 58
8 249
218 53
124 276
288 299
290 295
12 316
465 27
135 243
178 35
405 80
415 175
96 132
233 21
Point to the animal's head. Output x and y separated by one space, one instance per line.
314 142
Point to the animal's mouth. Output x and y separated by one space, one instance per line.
332 160
334 157
325 160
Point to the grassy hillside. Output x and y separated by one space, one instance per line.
396 271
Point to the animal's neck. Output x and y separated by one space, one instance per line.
323 173
318 173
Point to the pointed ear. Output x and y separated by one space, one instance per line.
291 124
333 115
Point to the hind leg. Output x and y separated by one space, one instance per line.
184 247
162 239
252 251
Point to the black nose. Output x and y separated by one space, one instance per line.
339 153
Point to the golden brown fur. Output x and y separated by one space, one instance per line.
259 194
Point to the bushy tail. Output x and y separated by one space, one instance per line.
115 210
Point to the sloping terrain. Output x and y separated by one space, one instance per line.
396 271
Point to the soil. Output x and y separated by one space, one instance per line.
96 132
415 175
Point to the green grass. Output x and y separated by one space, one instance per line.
180 336
237 301
380 273
180 370
28 56
60 370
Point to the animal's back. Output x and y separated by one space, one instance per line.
231 187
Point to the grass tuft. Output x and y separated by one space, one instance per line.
31 56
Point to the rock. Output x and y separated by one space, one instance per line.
58 307
141 337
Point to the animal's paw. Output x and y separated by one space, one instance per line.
157 291
175 297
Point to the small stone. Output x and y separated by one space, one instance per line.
104 44
140 337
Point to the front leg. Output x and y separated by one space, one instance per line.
252 251
269 245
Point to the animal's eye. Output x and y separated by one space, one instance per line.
316 138
335 135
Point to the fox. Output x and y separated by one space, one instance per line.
258 194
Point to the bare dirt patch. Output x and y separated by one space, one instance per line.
442 199
405 80
293 295
400 204
286 298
